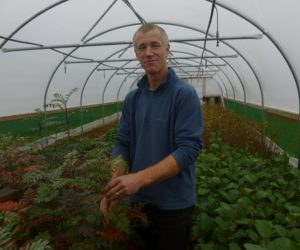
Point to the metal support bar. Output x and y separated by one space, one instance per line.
195 77
31 19
62 46
283 54
189 71
180 76
100 18
134 59
173 66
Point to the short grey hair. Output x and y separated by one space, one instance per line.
148 27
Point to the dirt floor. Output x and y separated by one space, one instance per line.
101 130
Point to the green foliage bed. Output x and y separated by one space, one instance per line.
246 201
248 198
50 199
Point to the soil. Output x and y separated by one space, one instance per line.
101 130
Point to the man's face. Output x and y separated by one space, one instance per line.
151 51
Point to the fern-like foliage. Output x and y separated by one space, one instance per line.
71 201
8 193
58 193
28 196
34 178
60 101
87 230
38 245
45 193
8 222
5 236
12 157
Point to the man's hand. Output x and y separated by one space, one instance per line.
122 186
106 206
119 167
129 184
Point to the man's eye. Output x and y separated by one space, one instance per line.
141 48
155 46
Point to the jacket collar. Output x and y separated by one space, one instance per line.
143 83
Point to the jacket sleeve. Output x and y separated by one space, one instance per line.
188 127
122 143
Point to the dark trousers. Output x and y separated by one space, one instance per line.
167 229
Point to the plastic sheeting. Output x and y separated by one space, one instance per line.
264 72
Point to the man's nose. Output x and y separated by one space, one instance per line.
149 50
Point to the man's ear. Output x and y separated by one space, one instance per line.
168 48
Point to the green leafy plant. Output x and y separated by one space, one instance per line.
246 201
60 101
43 122
56 203
51 122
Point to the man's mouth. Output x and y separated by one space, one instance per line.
150 61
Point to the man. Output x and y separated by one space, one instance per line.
157 143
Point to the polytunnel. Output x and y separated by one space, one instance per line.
76 58
242 52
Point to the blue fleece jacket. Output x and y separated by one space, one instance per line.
154 124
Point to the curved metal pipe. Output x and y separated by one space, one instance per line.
201 31
235 12
283 54
237 51
221 87
129 73
55 70
30 19
119 89
86 81
224 73
99 19
103 92
221 70
233 92
98 44
220 79
115 28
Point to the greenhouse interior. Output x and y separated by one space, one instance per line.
66 68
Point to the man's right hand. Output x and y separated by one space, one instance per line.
122 186
107 205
